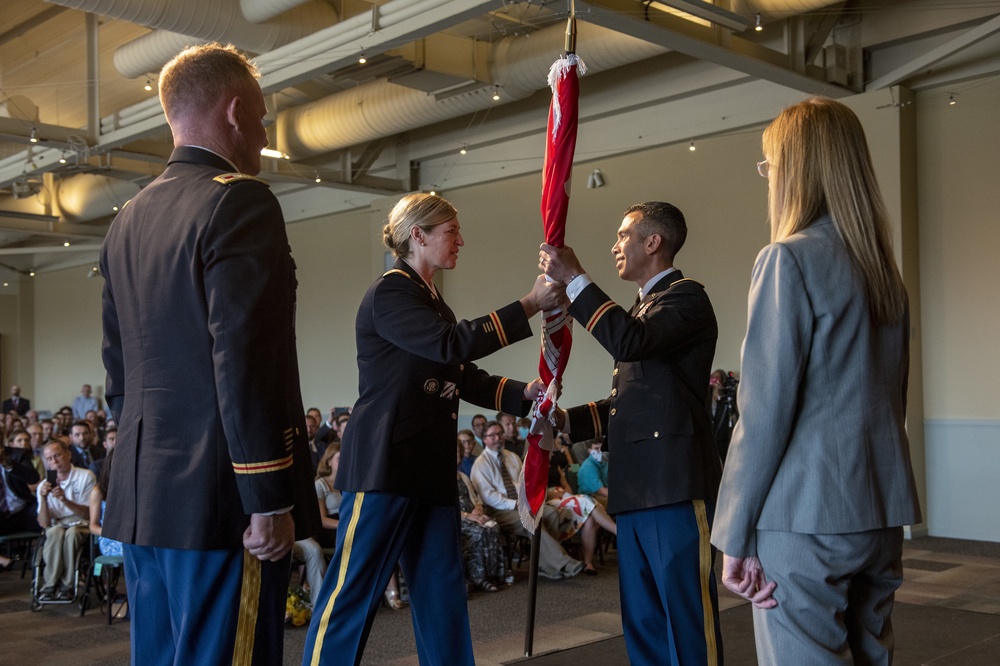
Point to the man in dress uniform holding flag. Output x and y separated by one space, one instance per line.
664 470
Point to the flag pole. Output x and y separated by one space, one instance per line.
536 536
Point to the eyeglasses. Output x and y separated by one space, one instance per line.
465 441
492 435
762 168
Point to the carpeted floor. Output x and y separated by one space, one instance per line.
947 614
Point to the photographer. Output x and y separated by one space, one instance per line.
722 408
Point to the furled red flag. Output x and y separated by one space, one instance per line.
557 333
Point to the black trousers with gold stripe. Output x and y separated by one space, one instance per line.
211 607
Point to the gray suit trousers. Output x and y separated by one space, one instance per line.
835 596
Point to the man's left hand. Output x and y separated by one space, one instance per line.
269 537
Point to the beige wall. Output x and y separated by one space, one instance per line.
959 199
67 337
333 270
9 344
717 187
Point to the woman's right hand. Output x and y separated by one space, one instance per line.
544 295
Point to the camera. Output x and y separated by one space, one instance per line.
727 392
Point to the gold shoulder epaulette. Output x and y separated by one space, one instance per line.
687 280
395 271
230 178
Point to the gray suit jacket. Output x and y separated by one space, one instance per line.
821 445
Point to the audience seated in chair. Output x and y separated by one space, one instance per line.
97 503
18 508
20 443
592 477
511 441
493 476
82 450
466 451
482 547
63 512
328 496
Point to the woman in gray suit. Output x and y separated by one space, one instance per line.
818 483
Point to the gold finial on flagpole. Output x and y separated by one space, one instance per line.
571 29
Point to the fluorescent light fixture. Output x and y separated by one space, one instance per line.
701 12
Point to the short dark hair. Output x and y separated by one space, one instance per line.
81 422
659 217
490 424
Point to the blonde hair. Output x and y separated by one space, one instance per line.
197 78
414 210
819 163
323 467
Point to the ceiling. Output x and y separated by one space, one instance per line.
452 93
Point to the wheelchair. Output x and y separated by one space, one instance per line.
79 592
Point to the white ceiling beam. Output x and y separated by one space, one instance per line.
44 225
710 44
950 48
288 66
48 249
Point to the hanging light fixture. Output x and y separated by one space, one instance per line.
757 26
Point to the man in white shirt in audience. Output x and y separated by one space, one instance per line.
64 514
494 474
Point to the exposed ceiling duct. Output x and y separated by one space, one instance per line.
181 23
90 196
264 10
380 108
430 62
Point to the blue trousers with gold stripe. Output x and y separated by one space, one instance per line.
670 603
376 530
211 607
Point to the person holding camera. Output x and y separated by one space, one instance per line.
722 407
64 513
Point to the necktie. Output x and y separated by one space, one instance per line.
635 306
507 481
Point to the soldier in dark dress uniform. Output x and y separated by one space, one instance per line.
397 461
199 344
663 469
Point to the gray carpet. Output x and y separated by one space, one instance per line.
925 636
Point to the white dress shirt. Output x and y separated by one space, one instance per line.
488 481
